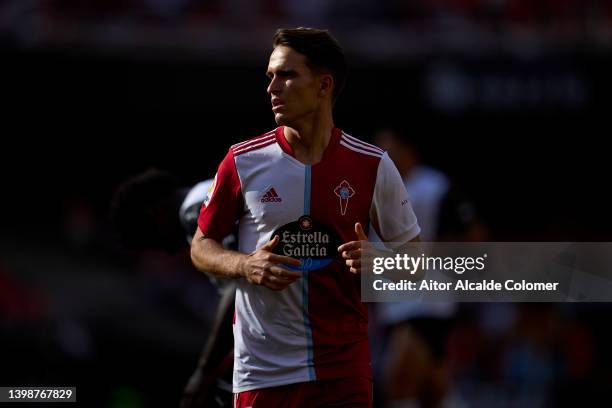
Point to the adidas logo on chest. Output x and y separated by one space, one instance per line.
271 196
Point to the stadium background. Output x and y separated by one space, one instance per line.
510 98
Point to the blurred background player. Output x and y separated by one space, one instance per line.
415 366
151 211
447 214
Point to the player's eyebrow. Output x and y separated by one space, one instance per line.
282 73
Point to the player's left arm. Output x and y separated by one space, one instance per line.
391 216
356 252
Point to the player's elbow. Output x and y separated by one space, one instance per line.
198 251
195 259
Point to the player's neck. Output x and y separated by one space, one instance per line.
309 139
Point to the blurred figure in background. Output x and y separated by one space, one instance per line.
153 202
445 210
415 366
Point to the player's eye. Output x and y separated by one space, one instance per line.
286 74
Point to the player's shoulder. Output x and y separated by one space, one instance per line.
254 143
359 147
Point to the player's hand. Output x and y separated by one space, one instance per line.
262 267
353 251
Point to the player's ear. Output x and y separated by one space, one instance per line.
327 85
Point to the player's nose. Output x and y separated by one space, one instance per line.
273 86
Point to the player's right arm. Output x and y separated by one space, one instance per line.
261 267
224 205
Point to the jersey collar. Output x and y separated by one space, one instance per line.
331 146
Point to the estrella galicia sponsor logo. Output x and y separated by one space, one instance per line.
312 243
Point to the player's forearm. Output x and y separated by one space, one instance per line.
209 256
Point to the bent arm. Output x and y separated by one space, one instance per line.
261 267
209 256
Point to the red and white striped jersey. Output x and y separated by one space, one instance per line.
317 327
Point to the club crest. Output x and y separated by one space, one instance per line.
344 191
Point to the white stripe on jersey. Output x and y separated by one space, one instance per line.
361 143
361 147
355 149
253 146
250 141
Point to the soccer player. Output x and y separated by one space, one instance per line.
305 195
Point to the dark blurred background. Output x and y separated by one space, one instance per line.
509 98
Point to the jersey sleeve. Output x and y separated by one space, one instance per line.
391 213
224 203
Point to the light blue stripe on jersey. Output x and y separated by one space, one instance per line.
309 350
307 190
305 284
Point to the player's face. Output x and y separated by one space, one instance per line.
294 87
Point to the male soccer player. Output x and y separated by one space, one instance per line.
305 195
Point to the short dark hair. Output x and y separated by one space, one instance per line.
322 51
